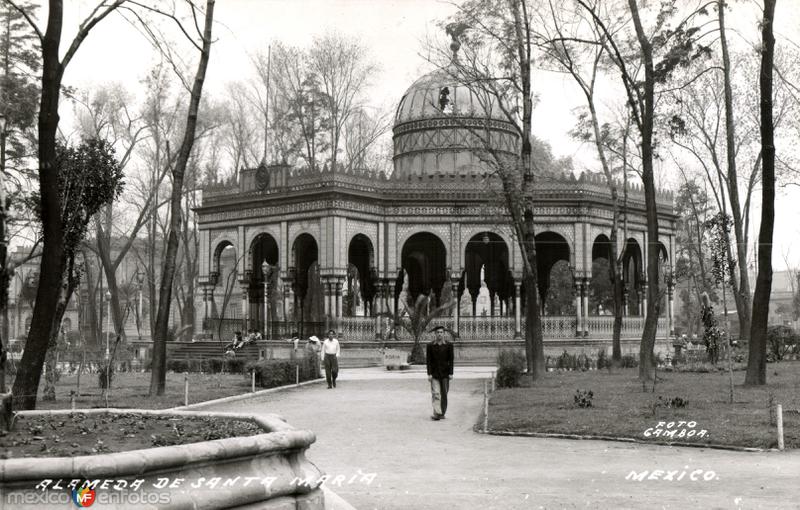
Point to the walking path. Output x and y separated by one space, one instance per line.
378 422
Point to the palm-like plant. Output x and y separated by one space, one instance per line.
415 320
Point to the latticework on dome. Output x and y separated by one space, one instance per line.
442 127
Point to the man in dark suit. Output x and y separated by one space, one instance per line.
439 359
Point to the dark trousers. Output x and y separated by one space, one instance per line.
331 369
439 389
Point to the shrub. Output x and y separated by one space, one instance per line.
602 360
630 361
781 340
235 365
567 361
272 373
212 365
673 403
178 365
102 381
510 364
583 399
583 362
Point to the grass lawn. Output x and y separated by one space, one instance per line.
129 390
621 409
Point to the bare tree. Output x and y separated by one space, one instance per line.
238 132
585 63
105 113
342 66
496 64
757 359
158 374
299 89
639 67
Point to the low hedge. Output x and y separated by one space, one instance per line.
273 373
206 365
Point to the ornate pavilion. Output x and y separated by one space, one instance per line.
341 246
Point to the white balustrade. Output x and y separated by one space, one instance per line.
357 329
502 328
486 328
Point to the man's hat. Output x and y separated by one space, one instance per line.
437 328
332 331
313 338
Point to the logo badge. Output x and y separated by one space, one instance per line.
83 497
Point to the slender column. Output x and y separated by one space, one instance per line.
326 291
517 309
207 290
671 309
288 299
585 300
377 308
245 287
454 293
625 302
643 301
338 296
579 306
392 302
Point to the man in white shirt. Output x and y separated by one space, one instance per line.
330 356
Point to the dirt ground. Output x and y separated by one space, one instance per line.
379 423
77 434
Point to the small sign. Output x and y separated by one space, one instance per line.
394 358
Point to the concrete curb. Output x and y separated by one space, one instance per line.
553 435
243 396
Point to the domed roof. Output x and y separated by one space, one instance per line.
442 126
444 87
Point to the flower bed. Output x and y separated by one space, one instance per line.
266 468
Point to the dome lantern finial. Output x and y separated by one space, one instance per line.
455 30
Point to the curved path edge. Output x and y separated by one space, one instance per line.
555 435
244 396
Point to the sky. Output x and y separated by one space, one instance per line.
394 31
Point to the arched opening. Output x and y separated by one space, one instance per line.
560 299
552 248
424 264
486 287
601 288
632 276
265 248
360 289
226 291
307 284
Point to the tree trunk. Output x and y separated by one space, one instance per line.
646 369
51 268
756 363
110 273
534 343
742 294
91 304
158 374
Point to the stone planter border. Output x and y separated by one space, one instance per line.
278 453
